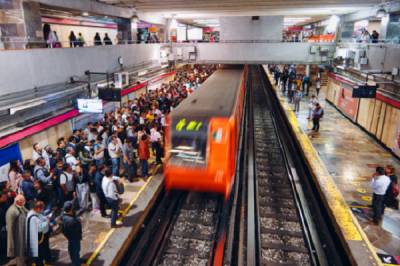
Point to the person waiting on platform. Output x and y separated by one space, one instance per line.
72 230
392 191
311 106
73 42
97 39
107 40
379 184
37 229
111 194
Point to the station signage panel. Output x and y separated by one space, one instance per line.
364 91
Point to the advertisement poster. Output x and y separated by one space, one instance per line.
6 155
347 104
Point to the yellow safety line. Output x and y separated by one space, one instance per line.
111 231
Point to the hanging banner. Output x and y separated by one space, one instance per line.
8 154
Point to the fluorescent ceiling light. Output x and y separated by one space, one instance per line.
381 12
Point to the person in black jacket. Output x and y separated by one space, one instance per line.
72 230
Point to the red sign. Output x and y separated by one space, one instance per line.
347 104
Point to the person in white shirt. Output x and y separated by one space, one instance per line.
37 151
71 159
379 184
37 227
311 106
110 192
155 139
115 152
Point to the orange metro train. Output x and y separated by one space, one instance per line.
202 136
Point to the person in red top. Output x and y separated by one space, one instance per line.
144 154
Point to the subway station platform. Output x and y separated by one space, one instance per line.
101 244
351 155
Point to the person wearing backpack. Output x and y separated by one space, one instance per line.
67 182
37 226
72 230
392 191
111 193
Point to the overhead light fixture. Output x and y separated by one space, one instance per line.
381 12
135 19
85 14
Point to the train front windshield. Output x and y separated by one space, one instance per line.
188 142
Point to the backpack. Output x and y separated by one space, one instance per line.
395 189
120 187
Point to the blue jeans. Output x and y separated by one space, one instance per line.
144 167
114 210
74 249
130 170
115 166
99 162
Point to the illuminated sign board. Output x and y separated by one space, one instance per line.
188 125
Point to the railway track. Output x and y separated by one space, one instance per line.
193 234
274 219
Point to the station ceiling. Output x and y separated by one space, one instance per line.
213 8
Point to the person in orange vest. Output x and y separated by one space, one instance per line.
144 154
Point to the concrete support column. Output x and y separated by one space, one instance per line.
33 24
384 27
167 30
12 24
134 30
124 31
308 70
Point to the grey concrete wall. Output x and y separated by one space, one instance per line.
244 28
264 53
25 69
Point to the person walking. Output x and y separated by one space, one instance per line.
306 84
72 230
318 86
297 99
379 184
111 194
144 155
318 113
15 224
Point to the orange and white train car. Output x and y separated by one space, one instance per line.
203 135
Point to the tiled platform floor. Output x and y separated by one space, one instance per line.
351 156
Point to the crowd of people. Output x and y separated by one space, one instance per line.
52 40
295 87
85 172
